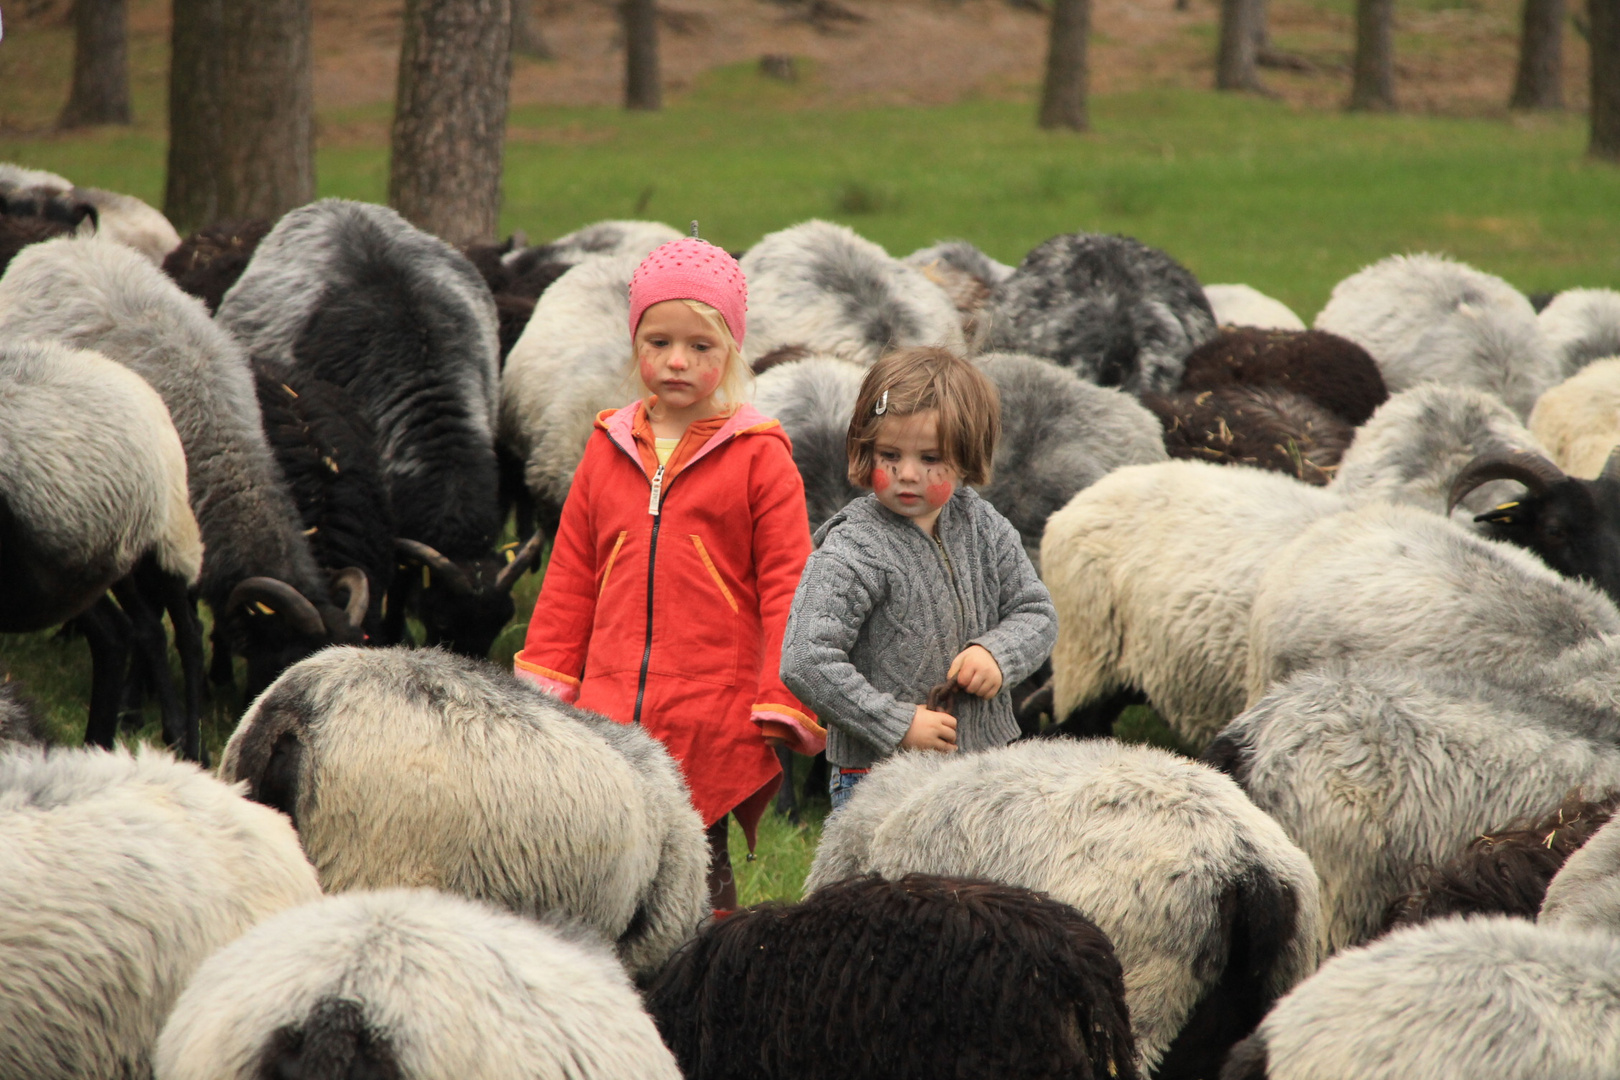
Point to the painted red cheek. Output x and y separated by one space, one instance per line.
880 480
939 494
706 381
649 372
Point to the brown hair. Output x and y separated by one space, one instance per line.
911 381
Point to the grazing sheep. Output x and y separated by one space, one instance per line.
1578 421
1112 309
1336 374
1582 325
814 399
20 721
1267 427
410 985
533 806
965 273
1504 871
1244 305
353 294
764 991
94 487
820 286
121 875
1380 771
122 219
91 294
1059 435
1460 999
1424 318
1211 910
209 261
1586 892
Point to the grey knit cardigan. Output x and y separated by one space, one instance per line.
883 609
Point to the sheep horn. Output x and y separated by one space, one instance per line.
520 562
453 575
355 581
281 597
1532 470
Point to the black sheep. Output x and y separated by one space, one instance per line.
17 233
1268 427
209 261
1337 374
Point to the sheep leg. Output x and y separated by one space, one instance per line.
106 629
152 647
220 670
172 595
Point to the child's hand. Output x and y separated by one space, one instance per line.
930 730
976 671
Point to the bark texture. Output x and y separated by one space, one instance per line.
1373 87
643 88
100 93
1243 32
1539 82
1605 38
1063 95
241 111
455 70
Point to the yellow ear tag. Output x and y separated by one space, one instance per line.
510 555
260 605
1507 506
427 580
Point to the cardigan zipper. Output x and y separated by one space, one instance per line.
653 508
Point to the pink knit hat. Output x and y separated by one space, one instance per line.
691 269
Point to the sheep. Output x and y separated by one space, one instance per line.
965 273
1586 892
814 398
1459 999
1334 373
17 233
1268 427
820 286
410 985
1578 421
20 719
353 294
1244 305
1112 309
536 806
761 992
122 219
1379 769
1210 908
1425 318
1581 325
92 294
93 489
209 261
123 873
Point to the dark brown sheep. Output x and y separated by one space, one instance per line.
1336 374
208 262
1268 427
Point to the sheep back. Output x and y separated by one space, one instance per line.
1334 373
1244 305
1578 421
814 398
965 273
1267 427
1586 892
209 261
1582 325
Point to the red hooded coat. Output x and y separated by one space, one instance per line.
668 609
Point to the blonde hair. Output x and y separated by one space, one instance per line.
736 381
911 381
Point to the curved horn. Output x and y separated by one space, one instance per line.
453 575
280 597
1530 469
355 581
522 561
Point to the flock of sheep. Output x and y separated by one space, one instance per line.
1368 569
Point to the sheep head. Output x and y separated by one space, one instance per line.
465 604
279 625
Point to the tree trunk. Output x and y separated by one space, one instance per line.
241 111
1374 85
1605 38
455 69
1243 31
642 89
1063 97
1539 83
100 93
527 40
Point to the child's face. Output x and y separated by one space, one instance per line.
679 356
909 475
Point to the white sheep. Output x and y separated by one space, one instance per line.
410 985
1578 421
1586 891
1244 305
123 219
1582 325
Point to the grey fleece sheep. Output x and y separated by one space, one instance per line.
121 875
1425 318
1459 999
820 286
20 721
1117 312
814 399
1244 305
1582 325
610 238
507 796
410 985
965 273
1211 910
1586 892
1379 771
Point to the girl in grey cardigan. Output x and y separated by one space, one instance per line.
920 582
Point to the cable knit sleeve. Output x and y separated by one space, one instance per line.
1027 628
553 655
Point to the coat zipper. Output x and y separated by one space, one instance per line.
653 506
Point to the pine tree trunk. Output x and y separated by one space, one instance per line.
1605 38
1063 97
100 93
1374 85
1243 31
527 40
241 111
455 70
642 87
1539 82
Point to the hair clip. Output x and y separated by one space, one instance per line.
882 405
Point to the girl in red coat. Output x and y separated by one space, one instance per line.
679 550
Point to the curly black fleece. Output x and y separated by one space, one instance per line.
1268 427
208 262
1337 374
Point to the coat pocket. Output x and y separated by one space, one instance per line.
607 567
708 564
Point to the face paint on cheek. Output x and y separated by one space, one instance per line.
705 381
880 480
648 371
938 494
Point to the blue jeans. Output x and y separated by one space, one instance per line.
841 784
